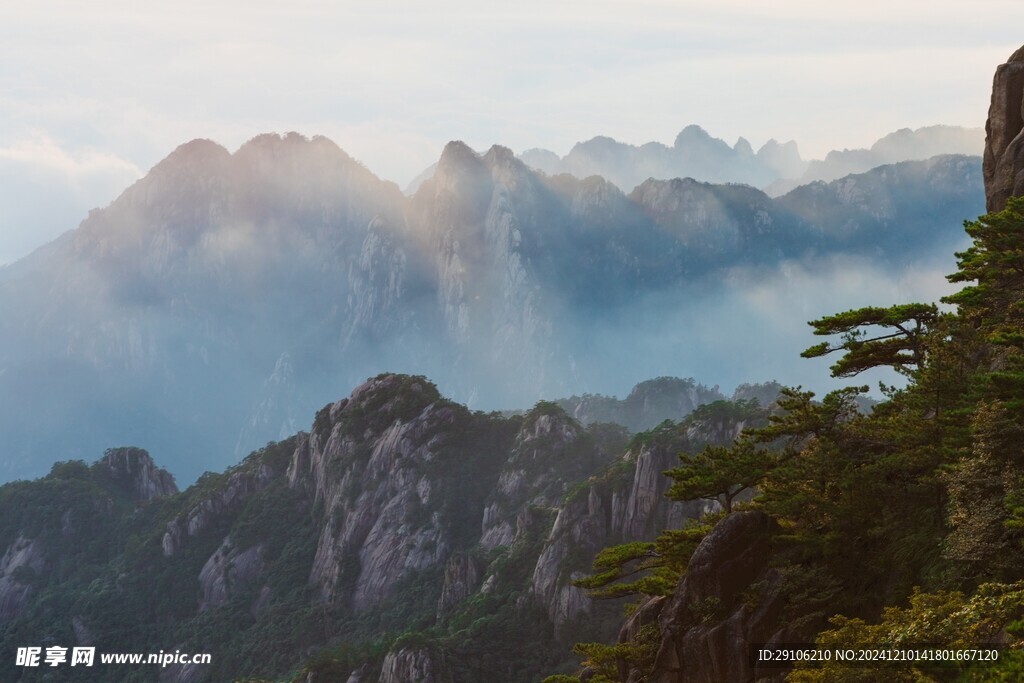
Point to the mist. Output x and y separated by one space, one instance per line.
46 190
225 297
750 325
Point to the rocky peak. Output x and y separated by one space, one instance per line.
462 190
390 396
692 134
505 167
596 146
193 156
1003 165
135 472
549 424
293 152
458 157
783 157
542 160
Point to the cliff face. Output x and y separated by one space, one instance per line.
399 510
421 665
135 471
707 624
1003 162
22 560
369 467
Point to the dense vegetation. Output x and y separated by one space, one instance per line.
904 526
109 572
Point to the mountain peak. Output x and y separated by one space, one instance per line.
743 147
293 145
134 471
459 165
694 134
499 153
194 154
456 154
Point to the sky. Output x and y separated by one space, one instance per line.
94 94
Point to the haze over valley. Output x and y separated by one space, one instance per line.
224 297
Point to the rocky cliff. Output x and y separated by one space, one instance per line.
135 471
1004 144
399 511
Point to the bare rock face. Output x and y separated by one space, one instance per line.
531 475
632 508
646 616
706 624
229 569
1003 165
360 675
136 472
240 485
462 576
415 665
22 559
581 524
83 635
646 510
368 462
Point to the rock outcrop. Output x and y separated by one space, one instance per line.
369 458
707 624
415 665
228 570
134 471
380 464
239 486
1003 164
21 562
462 577
648 404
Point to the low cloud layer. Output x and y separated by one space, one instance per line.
750 325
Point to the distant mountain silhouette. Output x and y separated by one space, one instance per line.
223 297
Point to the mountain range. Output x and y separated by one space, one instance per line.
776 167
222 297
402 538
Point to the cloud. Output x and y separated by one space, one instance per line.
392 82
46 189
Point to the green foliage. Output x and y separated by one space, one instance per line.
604 660
942 619
899 344
994 264
644 568
720 473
